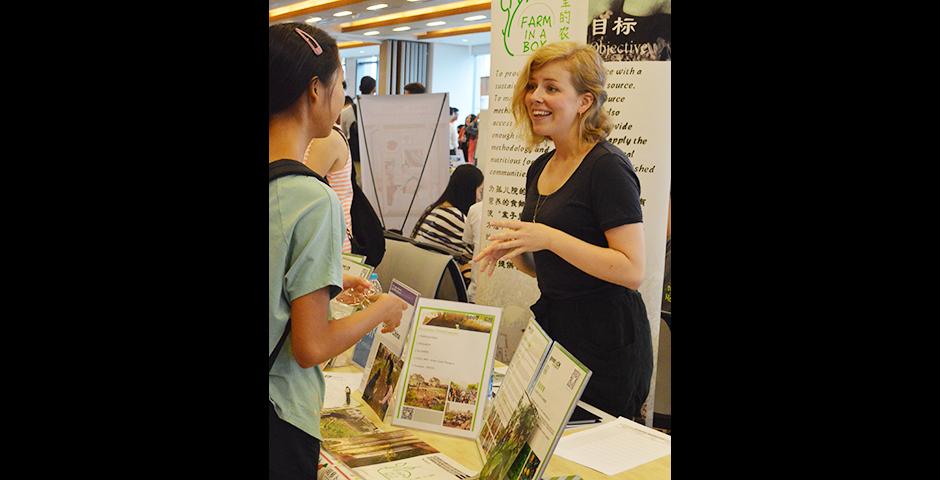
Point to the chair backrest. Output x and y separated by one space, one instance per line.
433 274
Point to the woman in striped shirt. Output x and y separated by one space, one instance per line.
443 222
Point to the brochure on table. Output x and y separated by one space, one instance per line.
383 363
615 446
520 376
330 468
554 381
352 266
345 422
447 363
435 466
336 385
385 455
510 441
355 257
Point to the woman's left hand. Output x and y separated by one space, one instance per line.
352 281
521 237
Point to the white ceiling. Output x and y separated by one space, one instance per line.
332 24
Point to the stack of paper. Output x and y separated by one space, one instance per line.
615 446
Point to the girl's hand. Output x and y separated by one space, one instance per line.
388 308
358 283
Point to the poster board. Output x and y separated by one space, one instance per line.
405 161
637 52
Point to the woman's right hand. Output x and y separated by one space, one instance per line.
388 309
489 256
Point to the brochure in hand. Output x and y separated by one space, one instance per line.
383 364
394 340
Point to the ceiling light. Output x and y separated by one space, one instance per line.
307 7
426 14
377 6
475 18
434 24
353 44
450 32
373 32
313 19
401 29
342 14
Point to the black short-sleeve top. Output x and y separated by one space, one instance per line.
602 193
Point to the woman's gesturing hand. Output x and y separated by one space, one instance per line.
517 238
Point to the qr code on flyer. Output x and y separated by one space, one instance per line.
575 375
407 413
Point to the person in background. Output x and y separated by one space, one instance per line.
367 86
472 236
452 133
305 230
472 131
580 233
443 222
348 116
330 157
462 140
414 88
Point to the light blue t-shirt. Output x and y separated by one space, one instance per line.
305 242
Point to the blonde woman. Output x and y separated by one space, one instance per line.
581 230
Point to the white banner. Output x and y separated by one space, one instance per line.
404 154
639 103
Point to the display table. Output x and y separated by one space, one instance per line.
465 452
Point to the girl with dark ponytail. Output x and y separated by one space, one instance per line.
305 238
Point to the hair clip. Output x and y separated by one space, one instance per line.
314 45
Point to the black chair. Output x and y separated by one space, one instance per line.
429 269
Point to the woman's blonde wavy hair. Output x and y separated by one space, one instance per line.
588 75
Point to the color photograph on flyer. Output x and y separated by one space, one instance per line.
377 448
383 375
345 422
458 320
509 441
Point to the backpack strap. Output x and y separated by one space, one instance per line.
276 170
286 168
342 135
